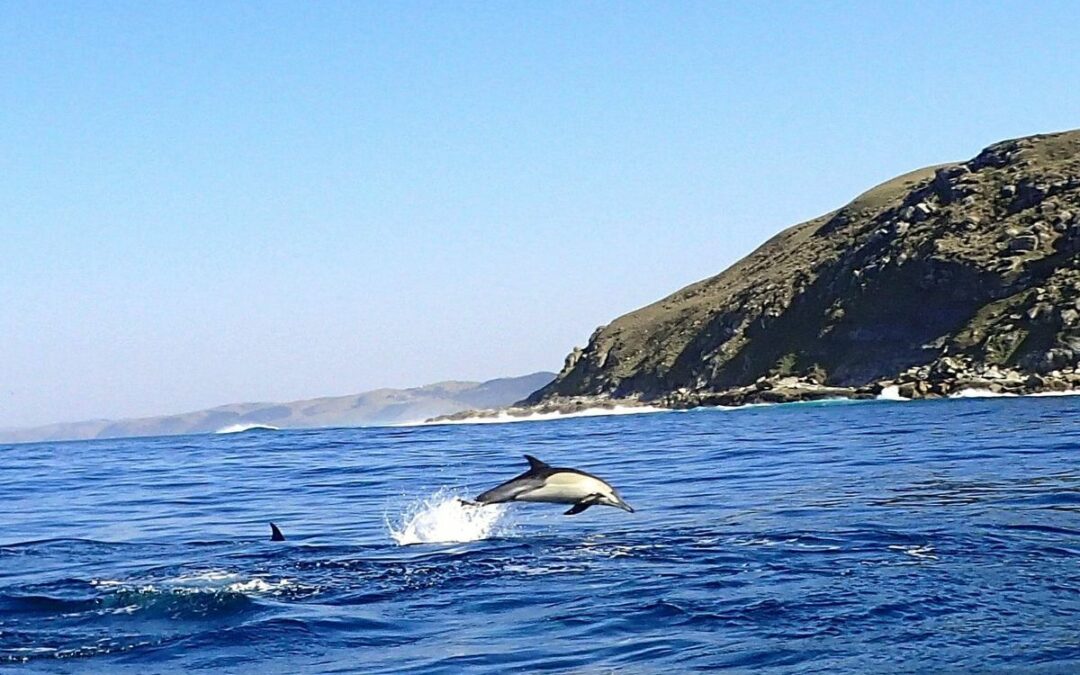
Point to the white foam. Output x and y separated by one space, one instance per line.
982 393
237 428
986 393
925 551
442 518
891 393
212 581
503 417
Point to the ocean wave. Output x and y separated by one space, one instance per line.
504 417
239 428
981 393
891 393
986 393
199 594
190 597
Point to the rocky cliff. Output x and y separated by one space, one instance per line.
954 276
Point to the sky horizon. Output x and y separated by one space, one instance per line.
208 204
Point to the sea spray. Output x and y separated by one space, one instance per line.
504 416
443 518
891 393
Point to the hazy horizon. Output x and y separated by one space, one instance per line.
234 404
206 204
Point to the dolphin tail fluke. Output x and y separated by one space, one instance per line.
275 533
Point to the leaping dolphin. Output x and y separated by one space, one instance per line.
555 485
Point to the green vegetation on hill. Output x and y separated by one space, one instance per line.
956 270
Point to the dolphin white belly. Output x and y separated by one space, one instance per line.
564 488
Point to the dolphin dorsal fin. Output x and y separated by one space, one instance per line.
535 464
275 533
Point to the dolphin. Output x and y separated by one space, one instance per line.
555 485
275 533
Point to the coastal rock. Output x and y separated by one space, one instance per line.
963 275
1024 242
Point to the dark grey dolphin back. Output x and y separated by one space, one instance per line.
526 482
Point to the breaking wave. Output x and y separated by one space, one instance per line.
986 393
238 428
503 416
891 393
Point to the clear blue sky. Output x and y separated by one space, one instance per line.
204 203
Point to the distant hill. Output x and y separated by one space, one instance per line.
956 276
378 407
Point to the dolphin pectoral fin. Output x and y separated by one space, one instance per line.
466 502
582 505
275 533
578 508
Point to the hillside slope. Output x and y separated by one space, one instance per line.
378 407
941 276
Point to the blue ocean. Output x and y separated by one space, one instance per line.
936 536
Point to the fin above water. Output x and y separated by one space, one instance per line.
275 533
535 463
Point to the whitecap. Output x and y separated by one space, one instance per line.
980 393
238 428
891 393
504 417
210 581
926 551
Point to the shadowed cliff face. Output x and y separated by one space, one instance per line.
977 260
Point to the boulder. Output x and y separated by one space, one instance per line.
1024 243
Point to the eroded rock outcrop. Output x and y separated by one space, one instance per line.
957 276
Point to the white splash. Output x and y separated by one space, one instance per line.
237 428
980 393
891 393
443 518
503 416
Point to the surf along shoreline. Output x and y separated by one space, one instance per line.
946 378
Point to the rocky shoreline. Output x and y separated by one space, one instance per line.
949 278
944 378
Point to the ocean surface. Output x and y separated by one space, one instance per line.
935 536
